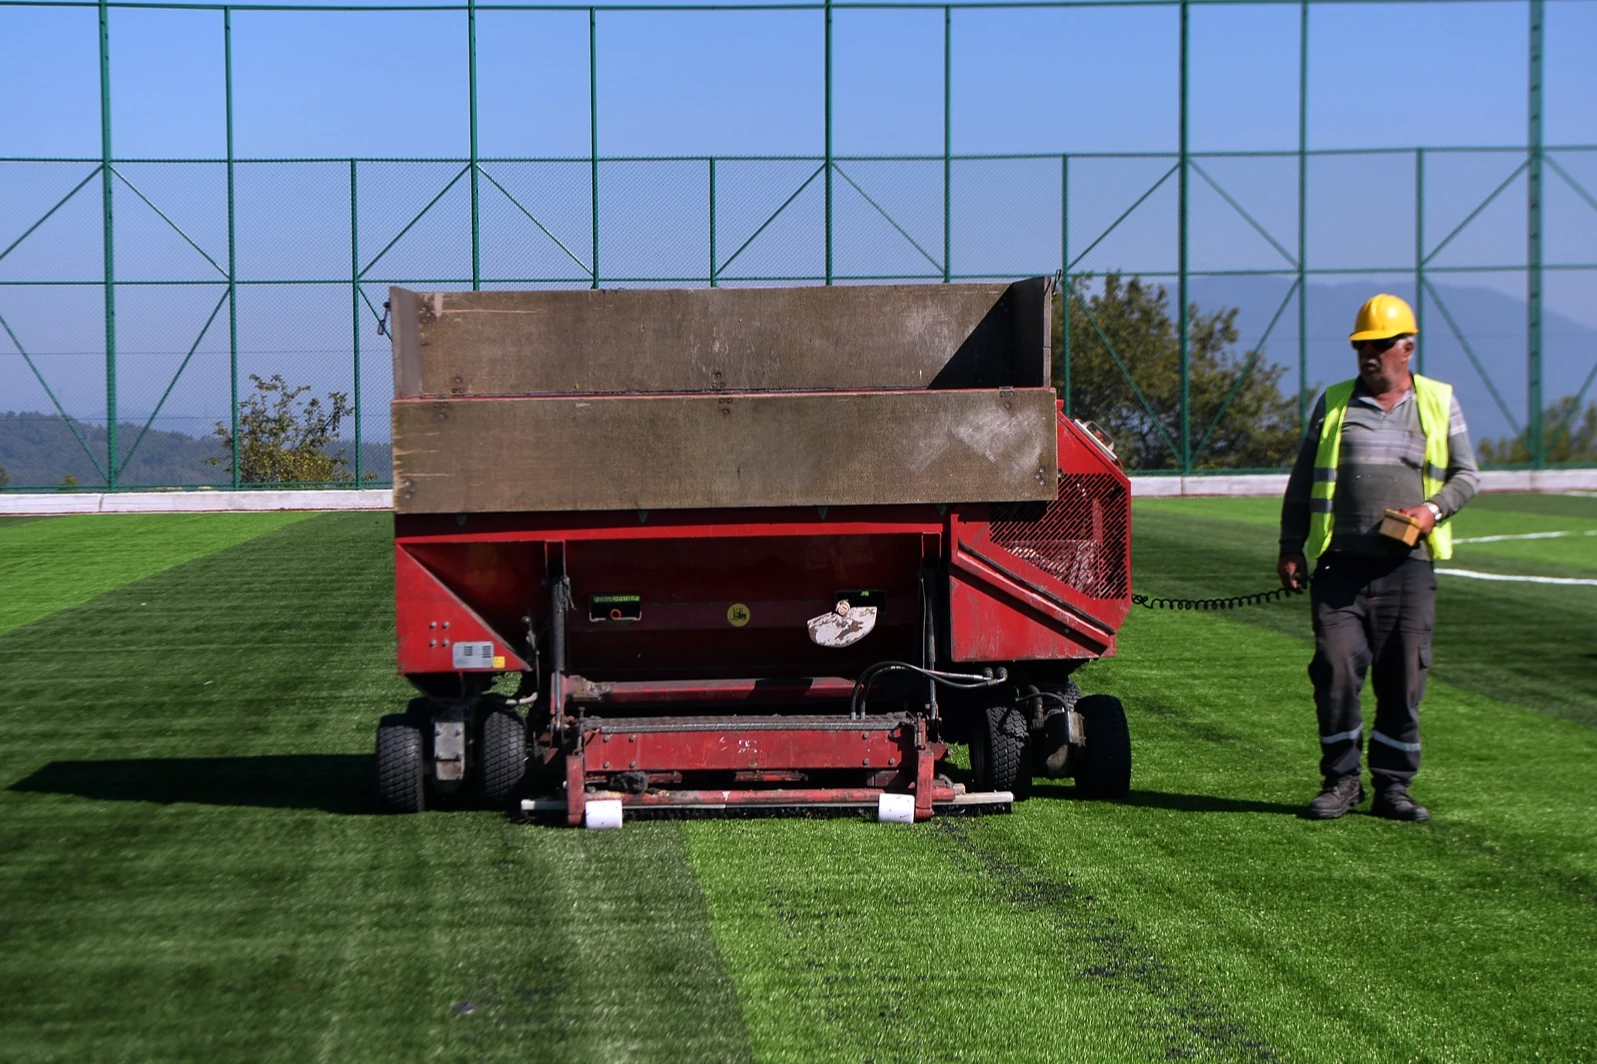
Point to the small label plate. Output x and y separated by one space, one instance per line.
473 655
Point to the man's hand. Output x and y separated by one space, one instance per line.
1293 569
1423 515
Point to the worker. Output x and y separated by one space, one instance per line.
1388 439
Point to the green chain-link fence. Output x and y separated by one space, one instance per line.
161 286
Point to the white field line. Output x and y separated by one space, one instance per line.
1519 579
1524 535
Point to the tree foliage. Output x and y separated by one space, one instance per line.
1259 428
284 441
1568 434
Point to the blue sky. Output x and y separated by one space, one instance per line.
1080 79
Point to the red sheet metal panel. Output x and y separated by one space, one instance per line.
434 626
1045 581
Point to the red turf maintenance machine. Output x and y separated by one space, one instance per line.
757 548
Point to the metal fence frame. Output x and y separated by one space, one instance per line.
1185 165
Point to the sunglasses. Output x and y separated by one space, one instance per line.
1380 345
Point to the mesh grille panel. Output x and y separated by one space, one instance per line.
1079 538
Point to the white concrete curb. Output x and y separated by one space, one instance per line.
1142 487
168 502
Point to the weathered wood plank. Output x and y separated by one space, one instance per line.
687 451
702 340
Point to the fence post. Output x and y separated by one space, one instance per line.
1536 444
232 243
1064 277
948 140
1303 217
354 302
593 132
471 92
1419 258
827 75
109 246
712 223
1185 457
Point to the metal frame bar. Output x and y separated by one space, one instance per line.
593 133
1184 324
108 227
195 346
1147 407
534 220
1535 440
232 252
1247 370
943 266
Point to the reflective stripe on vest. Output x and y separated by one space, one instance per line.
1434 401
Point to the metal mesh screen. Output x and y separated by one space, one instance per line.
1079 538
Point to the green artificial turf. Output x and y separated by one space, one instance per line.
1201 919
192 870
46 565
1529 644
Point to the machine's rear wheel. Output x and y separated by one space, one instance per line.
501 755
1000 751
1105 768
400 764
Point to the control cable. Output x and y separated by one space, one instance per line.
1231 602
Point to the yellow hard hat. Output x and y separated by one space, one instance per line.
1382 318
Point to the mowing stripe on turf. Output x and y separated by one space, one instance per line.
192 870
48 565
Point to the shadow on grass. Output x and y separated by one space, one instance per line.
1185 803
334 783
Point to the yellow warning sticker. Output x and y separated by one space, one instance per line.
737 615
499 661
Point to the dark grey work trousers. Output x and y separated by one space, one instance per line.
1380 612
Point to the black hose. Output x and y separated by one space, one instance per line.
1258 598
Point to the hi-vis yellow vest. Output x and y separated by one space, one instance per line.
1435 402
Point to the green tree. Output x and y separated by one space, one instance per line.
1569 434
284 441
5 478
1259 428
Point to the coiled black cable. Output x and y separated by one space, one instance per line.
1258 598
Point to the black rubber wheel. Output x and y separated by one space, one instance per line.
501 755
1105 768
1000 751
400 784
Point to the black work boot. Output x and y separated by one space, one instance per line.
1395 803
1336 798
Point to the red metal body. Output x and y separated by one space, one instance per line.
707 670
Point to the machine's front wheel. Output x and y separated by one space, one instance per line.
400 764
501 755
1000 751
1105 768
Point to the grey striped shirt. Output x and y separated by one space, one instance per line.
1379 468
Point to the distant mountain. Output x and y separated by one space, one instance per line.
1492 321
41 450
